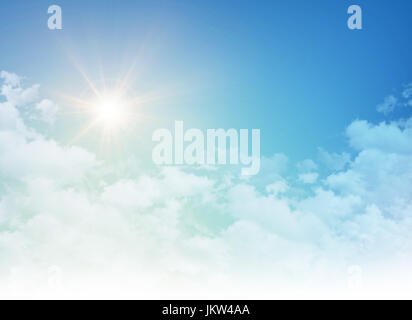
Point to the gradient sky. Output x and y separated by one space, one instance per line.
116 225
290 68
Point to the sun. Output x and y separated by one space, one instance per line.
111 107
110 110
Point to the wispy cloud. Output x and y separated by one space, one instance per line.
388 105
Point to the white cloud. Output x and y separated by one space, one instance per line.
171 231
10 119
307 165
307 171
20 159
331 208
271 170
388 105
276 164
277 188
407 93
11 79
308 178
48 111
20 97
387 137
334 161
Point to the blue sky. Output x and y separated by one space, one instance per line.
330 208
291 68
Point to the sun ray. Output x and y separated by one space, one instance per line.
111 121
83 131
78 102
124 82
112 109
90 83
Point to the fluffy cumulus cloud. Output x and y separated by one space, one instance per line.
308 178
307 169
10 79
334 161
47 111
67 230
388 137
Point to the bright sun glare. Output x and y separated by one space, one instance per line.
111 108
111 111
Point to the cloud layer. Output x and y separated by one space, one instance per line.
65 229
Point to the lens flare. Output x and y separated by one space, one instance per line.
111 111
